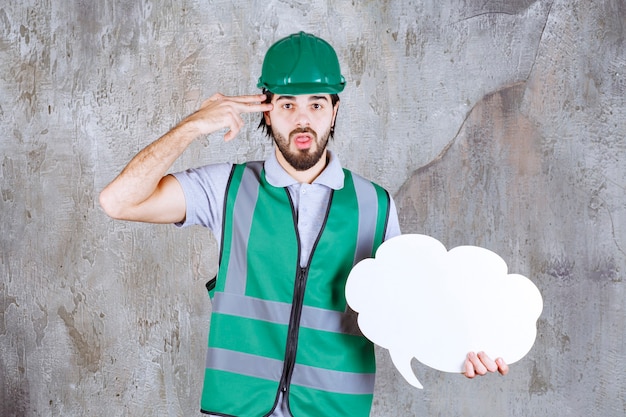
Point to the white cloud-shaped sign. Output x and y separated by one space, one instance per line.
419 300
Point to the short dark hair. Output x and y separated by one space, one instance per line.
334 99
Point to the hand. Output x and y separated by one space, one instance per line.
220 112
481 364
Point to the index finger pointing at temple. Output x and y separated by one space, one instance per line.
252 103
256 107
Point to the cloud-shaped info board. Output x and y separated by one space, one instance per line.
419 300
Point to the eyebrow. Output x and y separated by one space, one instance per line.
312 98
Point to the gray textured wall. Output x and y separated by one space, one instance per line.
494 123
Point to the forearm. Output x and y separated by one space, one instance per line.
140 179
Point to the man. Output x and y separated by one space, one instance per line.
282 340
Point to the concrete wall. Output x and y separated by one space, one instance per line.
499 124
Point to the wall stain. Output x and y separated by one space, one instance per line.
560 268
539 384
36 158
553 331
40 324
145 329
357 58
413 47
605 270
86 343
491 7
6 301
14 394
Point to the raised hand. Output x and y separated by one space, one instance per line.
220 111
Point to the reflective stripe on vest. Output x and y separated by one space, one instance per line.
322 379
258 316
276 312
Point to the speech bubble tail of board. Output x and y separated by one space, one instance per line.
402 362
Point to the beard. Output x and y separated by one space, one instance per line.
301 159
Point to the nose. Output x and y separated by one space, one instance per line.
302 118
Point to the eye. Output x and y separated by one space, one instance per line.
287 106
317 106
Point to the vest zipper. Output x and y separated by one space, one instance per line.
294 328
297 302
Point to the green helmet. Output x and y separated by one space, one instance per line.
301 64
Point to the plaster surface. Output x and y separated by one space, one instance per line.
496 124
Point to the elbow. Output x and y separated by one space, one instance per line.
110 206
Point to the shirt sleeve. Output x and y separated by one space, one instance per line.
204 189
393 225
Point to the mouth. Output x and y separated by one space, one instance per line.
302 140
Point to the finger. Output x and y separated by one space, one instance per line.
231 134
250 98
488 363
477 364
256 98
469 369
254 107
240 107
215 97
235 127
252 103
503 368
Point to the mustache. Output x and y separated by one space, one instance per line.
303 130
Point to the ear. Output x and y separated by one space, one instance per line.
335 110
268 120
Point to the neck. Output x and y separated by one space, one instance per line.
307 176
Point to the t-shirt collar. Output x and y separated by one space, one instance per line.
332 176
